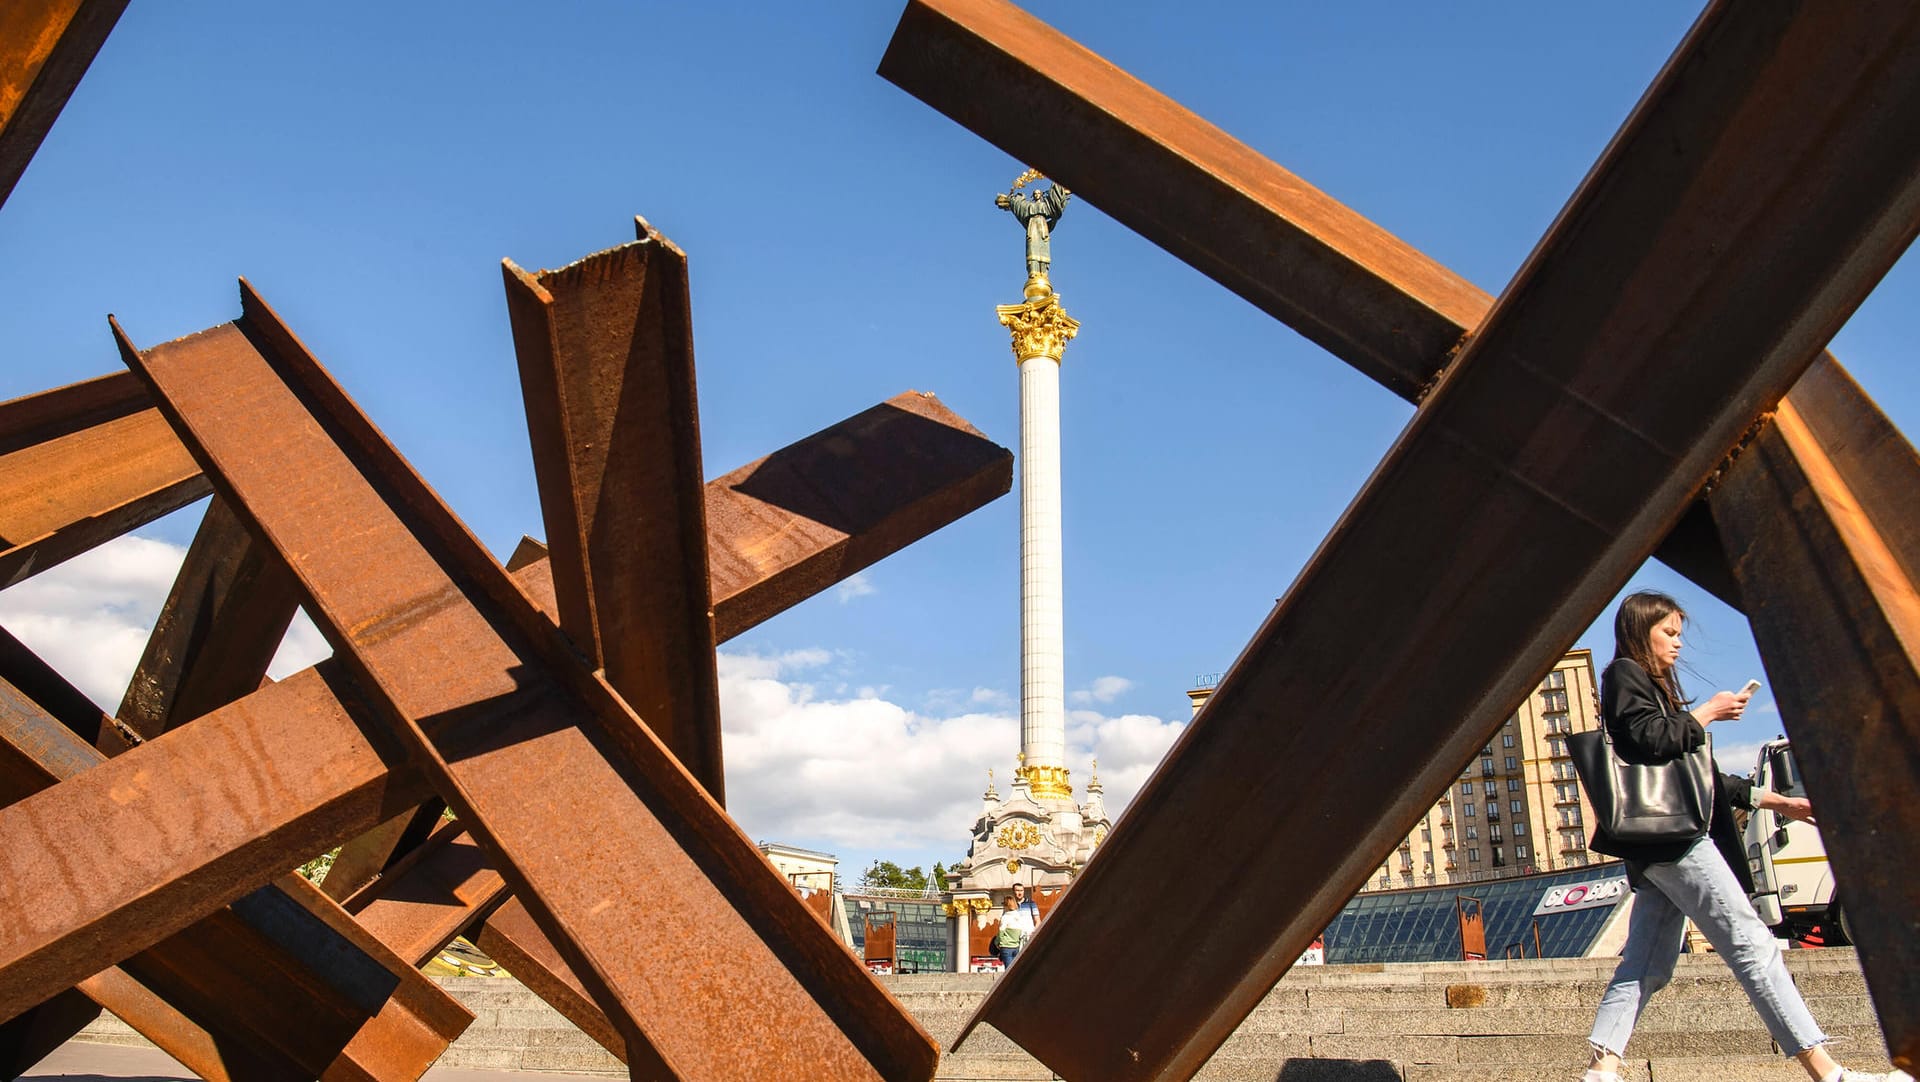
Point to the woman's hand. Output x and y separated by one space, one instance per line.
1724 706
1793 807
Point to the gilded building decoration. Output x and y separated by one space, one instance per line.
1018 834
1048 781
1040 326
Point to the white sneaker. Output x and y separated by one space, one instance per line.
1868 1076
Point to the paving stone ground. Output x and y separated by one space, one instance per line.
83 1061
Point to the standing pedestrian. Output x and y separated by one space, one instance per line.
1647 717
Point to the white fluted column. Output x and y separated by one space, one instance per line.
1041 330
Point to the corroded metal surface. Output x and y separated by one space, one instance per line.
1369 298
1562 421
163 847
282 984
498 710
606 373
82 465
45 46
1820 521
228 609
320 780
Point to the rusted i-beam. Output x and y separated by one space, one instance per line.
782 528
45 47
1820 521
81 465
1748 204
283 983
1365 295
224 618
520 739
606 373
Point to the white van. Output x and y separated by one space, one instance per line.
1793 887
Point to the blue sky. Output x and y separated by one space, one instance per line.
367 167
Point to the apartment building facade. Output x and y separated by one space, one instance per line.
1516 808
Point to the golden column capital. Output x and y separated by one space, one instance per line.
1048 781
1040 326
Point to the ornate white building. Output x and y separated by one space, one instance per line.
1028 838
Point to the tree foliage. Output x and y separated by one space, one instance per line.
885 873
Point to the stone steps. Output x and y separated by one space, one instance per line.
1433 1022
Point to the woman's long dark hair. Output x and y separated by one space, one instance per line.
1633 636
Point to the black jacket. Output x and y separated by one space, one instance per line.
1640 719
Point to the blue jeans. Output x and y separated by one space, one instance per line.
1007 954
1701 886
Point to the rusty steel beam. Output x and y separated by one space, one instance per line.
930 467
45 47
497 709
1325 270
283 978
180 826
431 894
1821 526
40 683
1363 294
223 620
792 524
81 465
511 937
367 857
605 349
1755 195
780 529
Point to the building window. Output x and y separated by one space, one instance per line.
1473 833
1513 785
1469 811
1466 788
1473 854
1555 679
1506 740
1512 764
1492 788
1488 750
1553 702
1520 852
1426 834
1514 806
1519 829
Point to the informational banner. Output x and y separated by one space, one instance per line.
1315 955
1583 896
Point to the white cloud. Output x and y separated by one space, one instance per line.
90 617
867 774
1105 689
770 666
852 770
854 585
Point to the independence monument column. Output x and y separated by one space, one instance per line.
1041 329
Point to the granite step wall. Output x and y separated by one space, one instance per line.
1424 1022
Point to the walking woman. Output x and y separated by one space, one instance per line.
1707 878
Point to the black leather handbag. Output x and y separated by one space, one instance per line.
1669 801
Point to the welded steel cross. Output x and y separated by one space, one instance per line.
1662 345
